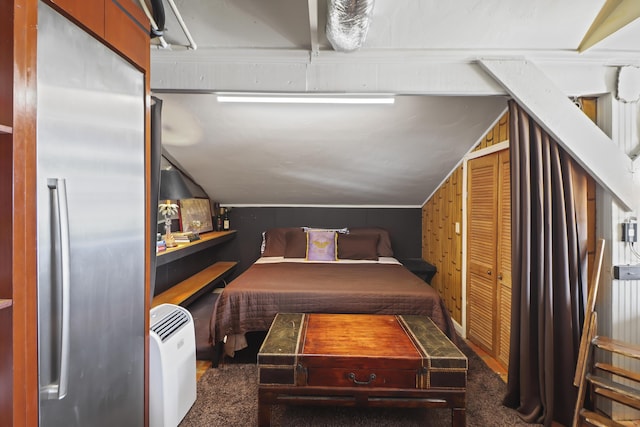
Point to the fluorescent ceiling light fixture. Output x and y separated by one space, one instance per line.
307 99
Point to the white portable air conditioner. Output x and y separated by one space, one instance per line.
172 365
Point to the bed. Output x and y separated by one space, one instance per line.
358 275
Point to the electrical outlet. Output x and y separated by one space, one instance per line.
629 232
626 272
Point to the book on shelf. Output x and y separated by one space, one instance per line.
185 237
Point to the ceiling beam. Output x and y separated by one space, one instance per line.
407 72
569 126
313 27
614 15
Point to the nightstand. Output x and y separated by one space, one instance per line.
420 268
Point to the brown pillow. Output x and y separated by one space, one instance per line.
364 246
295 244
274 240
384 240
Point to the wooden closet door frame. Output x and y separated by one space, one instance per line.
473 155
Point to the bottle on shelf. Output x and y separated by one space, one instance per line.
217 223
225 220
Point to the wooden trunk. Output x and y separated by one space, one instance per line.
368 360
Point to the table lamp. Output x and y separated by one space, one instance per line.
172 187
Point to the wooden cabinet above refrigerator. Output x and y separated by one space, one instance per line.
120 23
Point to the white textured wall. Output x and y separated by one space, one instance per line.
618 305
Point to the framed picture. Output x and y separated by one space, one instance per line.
194 212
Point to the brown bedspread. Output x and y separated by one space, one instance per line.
251 301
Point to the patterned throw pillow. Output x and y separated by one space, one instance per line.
321 245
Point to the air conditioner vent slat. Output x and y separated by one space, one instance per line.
170 324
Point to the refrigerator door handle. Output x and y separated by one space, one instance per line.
59 187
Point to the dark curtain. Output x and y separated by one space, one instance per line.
549 253
156 154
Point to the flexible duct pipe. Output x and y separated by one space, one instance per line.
157 9
155 30
348 23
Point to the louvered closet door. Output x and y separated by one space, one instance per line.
481 250
504 259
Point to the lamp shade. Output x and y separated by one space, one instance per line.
172 186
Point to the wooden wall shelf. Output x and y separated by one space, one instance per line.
191 288
5 129
207 240
5 303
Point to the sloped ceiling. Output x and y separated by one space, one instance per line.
324 154
423 51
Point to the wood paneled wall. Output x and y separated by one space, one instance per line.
442 245
499 133
442 228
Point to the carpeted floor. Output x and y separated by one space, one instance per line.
228 397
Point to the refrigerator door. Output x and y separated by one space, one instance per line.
91 218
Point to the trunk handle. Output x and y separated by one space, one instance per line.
352 377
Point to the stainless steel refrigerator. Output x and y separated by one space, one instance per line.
91 217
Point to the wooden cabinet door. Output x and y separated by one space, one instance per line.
481 250
89 13
489 254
